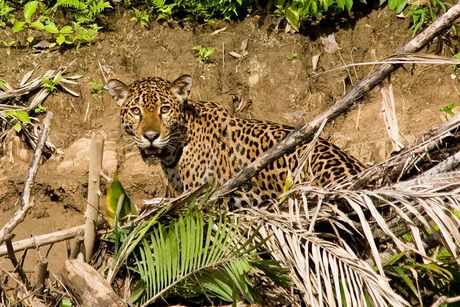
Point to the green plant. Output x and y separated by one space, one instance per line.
43 23
204 54
2 86
50 84
79 33
448 109
86 11
40 109
191 257
20 118
425 14
293 56
5 13
65 303
96 89
142 17
8 46
164 11
84 35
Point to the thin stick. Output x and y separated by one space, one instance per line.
25 203
446 300
304 133
41 276
94 180
14 261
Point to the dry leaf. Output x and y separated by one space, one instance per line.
329 43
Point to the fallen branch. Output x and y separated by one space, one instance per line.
88 286
304 133
25 203
50 238
392 168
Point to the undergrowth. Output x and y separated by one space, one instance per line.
33 21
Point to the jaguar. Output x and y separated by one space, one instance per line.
198 141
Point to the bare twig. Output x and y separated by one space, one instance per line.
304 133
25 203
446 300
14 261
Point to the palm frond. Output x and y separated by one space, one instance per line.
331 237
191 257
325 272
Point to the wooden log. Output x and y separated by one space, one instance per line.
88 286
92 206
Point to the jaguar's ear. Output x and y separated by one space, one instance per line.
181 86
118 90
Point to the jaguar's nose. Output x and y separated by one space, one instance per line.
151 135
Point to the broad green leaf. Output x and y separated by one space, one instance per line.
65 303
52 45
68 40
30 39
17 127
18 26
292 16
29 9
10 113
66 30
400 5
51 28
23 116
60 39
111 202
37 24
349 4
340 3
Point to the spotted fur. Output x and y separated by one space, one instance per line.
197 142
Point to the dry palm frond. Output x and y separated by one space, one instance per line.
389 115
408 58
325 272
403 162
327 235
10 96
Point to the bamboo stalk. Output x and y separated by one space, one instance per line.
92 206
25 203
304 133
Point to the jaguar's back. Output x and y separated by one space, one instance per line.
197 142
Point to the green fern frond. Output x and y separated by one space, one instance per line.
76 4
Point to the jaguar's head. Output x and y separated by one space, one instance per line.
152 113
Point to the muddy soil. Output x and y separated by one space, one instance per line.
277 85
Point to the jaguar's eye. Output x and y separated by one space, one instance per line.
165 110
136 111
